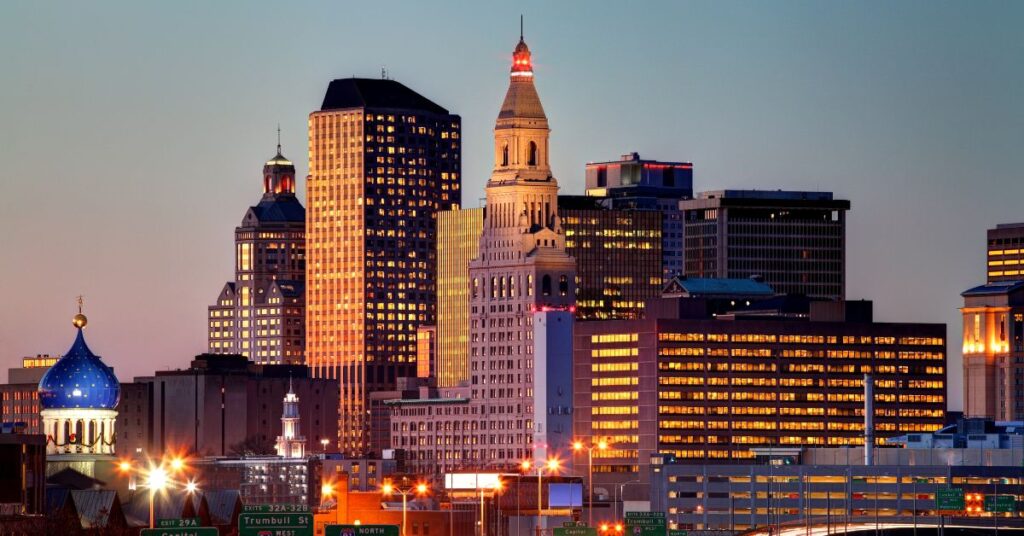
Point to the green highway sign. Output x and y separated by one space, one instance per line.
177 523
575 531
676 533
282 524
645 524
181 531
361 530
949 499
1000 503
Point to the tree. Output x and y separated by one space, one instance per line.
253 446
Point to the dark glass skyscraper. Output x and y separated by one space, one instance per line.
795 241
383 160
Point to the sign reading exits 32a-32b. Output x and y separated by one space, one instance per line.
275 520
361 530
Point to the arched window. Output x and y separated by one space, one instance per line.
529 285
533 154
545 285
563 285
494 287
476 287
504 155
79 431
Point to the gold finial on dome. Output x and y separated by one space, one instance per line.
79 321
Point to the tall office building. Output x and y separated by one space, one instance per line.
522 289
632 183
522 268
19 397
261 314
458 242
1006 252
795 241
383 160
618 256
993 350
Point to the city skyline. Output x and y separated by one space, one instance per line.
136 210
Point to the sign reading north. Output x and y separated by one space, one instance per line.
361 530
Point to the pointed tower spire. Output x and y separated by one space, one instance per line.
520 26
279 139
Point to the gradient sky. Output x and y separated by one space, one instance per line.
134 133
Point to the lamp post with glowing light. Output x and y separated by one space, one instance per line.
157 477
419 489
552 466
323 443
579 446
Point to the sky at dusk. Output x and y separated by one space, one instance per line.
134 134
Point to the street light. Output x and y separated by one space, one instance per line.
323 443
552 466
157 478
578 446
420 489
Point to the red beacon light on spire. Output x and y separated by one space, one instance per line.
521 64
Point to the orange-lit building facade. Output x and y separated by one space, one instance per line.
383 160
993 350
708 389
458 243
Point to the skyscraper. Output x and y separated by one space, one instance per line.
458 242
383 160
261 314
796 241
619 262
632 183
522 288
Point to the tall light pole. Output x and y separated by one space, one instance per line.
156 478
418 489
552 466
578 446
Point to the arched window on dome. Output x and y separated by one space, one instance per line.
79 431
533 154
504 155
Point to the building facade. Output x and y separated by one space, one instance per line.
458 242
826 486
710 384
383 160
263 479
993 350
291 443
19 397
261 314
634 183
1005 259
224 405
795 241
618 256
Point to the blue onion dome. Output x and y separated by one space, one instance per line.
79 379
